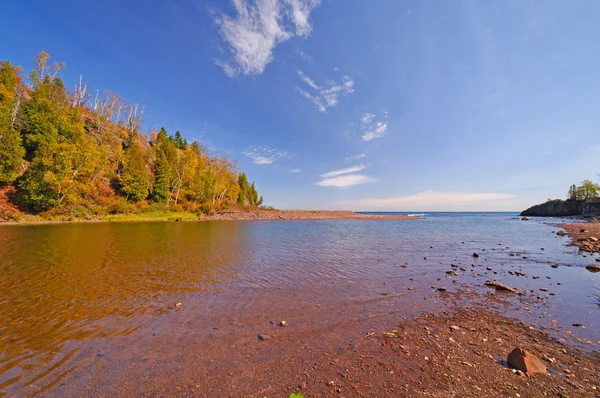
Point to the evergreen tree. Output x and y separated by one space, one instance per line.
244 188
134 178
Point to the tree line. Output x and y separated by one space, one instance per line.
80 153
585 191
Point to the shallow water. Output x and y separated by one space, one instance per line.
66 287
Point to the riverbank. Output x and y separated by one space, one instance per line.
234 215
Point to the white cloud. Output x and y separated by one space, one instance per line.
344 171
362 155
346 180
373 128
295 171
328 96
258 27
440 201
265 154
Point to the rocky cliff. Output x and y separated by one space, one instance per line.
561 208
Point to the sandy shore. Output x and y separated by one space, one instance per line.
301 215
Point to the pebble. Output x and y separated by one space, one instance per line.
263 337
441 289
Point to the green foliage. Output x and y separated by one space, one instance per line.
134 178
248 194
162 179
587 190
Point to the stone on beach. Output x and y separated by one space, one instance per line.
593 268
499 286
263 337
525 362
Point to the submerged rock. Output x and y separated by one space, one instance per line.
500 286
525 362
525 218
593 268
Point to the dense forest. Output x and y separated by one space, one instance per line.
81 154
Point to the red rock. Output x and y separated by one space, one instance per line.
525 362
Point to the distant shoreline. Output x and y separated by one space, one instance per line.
234 215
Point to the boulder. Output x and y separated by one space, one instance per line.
525 218
525 362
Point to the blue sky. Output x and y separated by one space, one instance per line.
364 105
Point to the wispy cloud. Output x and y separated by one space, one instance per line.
295 170
325 96
372 127
433 200
346 180
362 155
265 154
258 27
352 169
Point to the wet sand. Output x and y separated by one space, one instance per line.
454 352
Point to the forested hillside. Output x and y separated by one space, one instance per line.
82 154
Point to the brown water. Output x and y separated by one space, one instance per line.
66 290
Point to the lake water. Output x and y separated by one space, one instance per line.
66 288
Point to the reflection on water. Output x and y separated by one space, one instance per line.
62 283
62 286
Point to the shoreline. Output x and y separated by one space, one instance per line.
257 215
585 236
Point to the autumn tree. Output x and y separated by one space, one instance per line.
11 148
134 178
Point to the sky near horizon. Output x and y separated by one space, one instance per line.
346 104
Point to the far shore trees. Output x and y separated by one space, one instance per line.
80 153
586 191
